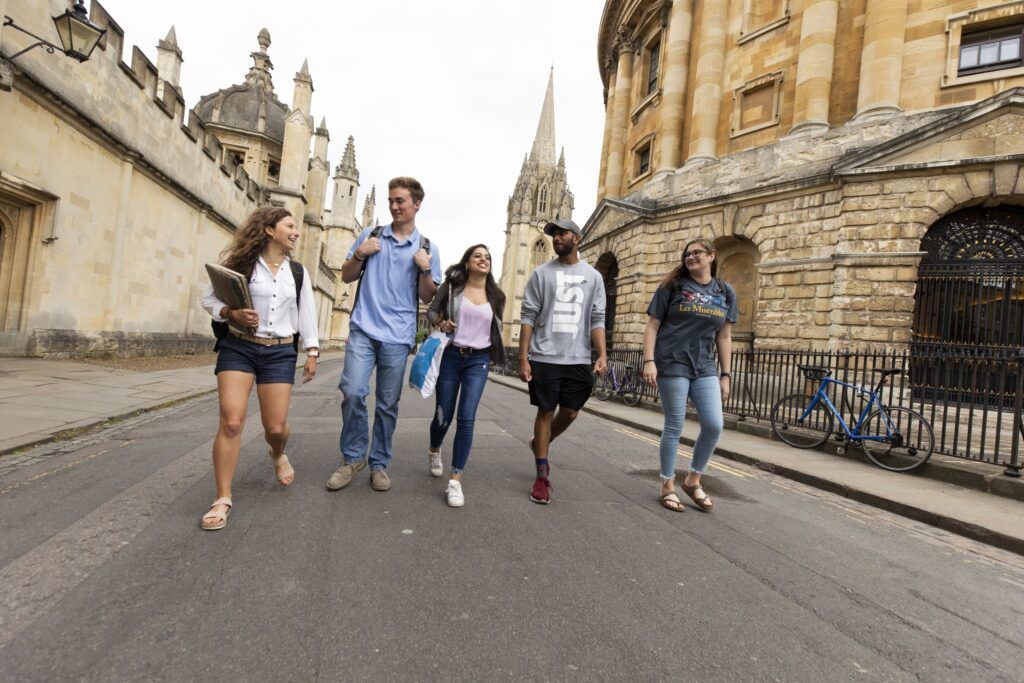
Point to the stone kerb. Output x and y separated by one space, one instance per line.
121 100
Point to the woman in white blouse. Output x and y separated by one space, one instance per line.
261 346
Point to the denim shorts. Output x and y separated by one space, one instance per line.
270 364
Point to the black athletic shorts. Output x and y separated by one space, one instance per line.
560 385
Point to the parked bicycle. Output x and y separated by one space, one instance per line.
895 439
624 383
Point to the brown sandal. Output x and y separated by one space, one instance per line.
703 501
670 501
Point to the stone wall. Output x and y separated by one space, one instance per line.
837 221
131 191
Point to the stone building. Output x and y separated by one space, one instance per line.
113 195
342 230
856 163
541 195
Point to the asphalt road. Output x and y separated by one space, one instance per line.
105 575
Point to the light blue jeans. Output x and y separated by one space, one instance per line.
706 394
362 354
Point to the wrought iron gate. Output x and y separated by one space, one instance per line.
970 299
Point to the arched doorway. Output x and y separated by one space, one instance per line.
970 284
737 264
969 300
608 266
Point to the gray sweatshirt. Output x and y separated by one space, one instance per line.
563 304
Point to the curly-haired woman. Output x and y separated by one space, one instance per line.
468 305
261 346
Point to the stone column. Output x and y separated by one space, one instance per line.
881 61
707 92
677 69
814 66
615 178
609 109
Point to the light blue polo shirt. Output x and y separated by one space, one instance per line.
386 309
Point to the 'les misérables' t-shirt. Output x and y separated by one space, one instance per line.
691 315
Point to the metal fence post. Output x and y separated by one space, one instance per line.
1013 468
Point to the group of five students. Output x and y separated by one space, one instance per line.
562 316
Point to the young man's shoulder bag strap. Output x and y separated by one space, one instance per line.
375 233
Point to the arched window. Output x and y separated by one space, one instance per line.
539 254
542 200
970 284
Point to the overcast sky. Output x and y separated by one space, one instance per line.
448 91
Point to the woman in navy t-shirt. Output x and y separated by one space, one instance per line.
691 314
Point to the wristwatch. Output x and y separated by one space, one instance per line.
725 374
313 353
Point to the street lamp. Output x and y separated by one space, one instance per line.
78 36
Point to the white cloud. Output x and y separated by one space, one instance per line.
448 91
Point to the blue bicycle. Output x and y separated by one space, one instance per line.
895 439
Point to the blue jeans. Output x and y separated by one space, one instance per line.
706 394
362 354
468 372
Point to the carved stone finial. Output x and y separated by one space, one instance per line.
263 38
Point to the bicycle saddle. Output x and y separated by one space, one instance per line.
889 371
814 371
630 368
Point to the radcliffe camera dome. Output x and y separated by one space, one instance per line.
251 106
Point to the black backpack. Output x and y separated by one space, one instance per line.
376 233
220 329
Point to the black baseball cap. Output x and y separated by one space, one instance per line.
562 224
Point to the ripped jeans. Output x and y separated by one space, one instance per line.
464 374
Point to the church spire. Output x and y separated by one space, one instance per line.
544 143
347 167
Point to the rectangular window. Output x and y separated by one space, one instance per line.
653 63
643 160
991 51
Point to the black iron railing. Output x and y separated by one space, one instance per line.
973 398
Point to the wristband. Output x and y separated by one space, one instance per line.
725 374
648 361
425 272
357 257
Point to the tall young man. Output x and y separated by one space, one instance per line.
562 321
395 269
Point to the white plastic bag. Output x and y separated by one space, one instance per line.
427 364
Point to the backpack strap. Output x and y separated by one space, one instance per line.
375 233
298 274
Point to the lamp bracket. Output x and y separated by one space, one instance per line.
45 44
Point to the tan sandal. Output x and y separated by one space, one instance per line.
670 501
286 477
702 501
212 521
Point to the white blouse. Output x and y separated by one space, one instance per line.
273 297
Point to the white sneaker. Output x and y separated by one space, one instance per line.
454 491
436 468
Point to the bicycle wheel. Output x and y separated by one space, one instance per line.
633 392
791 427
906 444
603 387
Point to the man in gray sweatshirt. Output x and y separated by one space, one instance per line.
562 321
